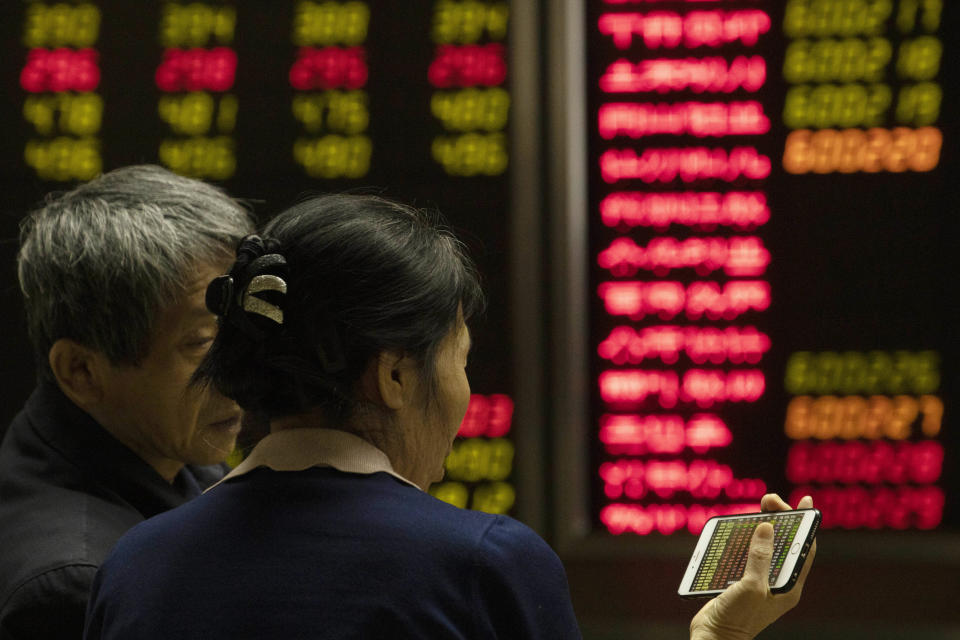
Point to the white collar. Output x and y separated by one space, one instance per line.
300 449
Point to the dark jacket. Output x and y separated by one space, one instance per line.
68 491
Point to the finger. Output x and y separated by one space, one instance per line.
759 556
806 502
773 502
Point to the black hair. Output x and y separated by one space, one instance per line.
363 274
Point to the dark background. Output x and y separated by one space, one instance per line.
859 262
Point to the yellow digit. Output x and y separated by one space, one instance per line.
919 104
38 111
495 497
795 108
86 159
876 16
849 106
797 375
170 25
878 101
302 20
83 115
174 155
497 16
227 113
198 26
86 25
358 163
473 17
453 493
877 369
501 459
849 60
797 64
795 19
348 111
496 159
932 10
59 23
920 58
876 58
496 109
353 23
926 372
854 368
907 16
444 152
221 162
34 27
468 461
308 109
827 371
442 108
445 22
224 24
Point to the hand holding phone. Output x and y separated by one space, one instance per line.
748 605
720 557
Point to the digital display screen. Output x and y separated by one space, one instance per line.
769 205
725 558
273 100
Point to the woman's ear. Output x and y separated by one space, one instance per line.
392 380
78 370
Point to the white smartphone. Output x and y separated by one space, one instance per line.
721 553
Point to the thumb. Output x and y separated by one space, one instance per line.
760 555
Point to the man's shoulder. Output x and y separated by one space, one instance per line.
54 527
48 604
54 523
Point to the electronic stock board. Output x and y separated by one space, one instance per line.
769 214
771 220
272 100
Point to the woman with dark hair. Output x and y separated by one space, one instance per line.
345 327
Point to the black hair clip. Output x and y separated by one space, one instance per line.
219 295
255 286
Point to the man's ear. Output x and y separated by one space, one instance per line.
394 377
79 372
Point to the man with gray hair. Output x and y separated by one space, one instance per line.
113 276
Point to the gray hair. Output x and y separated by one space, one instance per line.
97 264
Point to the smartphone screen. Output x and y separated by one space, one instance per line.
720 557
